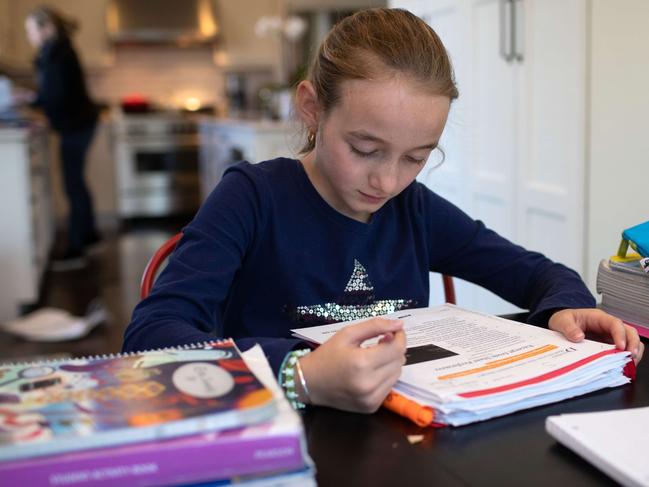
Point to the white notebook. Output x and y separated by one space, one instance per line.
616 442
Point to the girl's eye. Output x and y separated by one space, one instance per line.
362 153
416 160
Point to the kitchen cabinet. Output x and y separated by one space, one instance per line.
25 216
223 142
240 49
5 38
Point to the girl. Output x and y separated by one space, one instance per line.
346 232
63 96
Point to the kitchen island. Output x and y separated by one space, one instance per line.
226 141
26 215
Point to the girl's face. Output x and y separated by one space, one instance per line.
374 143
36 34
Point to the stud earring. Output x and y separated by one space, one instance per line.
311 138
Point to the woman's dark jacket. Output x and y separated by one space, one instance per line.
62 92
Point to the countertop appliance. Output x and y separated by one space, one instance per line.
157 164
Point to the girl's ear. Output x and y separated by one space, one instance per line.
306 105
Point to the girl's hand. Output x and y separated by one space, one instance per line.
576 324
343 375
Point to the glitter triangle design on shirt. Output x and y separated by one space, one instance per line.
357 301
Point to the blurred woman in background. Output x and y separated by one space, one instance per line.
63 96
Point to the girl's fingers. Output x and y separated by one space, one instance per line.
387 352
639 353
384 380
358 333
576 323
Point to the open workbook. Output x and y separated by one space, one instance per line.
463 366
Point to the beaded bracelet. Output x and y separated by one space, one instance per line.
287 377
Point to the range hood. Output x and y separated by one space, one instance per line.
162 21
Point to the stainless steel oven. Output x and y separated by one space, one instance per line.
157 164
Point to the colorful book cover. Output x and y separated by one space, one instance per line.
637 237
54 407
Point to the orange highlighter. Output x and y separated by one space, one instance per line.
418 414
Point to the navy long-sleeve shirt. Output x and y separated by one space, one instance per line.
266 253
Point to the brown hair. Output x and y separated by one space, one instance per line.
63 26
365 44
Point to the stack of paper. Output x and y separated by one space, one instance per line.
624 287
599 438
469 366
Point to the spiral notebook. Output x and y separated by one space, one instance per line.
616 442
276 447
53 407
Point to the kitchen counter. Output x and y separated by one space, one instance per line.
25 215
13 134
252 123
17 128
226 141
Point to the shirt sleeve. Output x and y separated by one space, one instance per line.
186 303
471 251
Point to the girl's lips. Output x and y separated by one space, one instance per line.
372 199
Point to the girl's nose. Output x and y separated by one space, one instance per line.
384 178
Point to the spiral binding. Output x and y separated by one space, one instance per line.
110 356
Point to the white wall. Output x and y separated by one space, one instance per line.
619 125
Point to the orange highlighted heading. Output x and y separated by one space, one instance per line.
499 363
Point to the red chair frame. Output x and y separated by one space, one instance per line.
156 260
151 270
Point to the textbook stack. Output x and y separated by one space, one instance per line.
463 366
624 287
168 417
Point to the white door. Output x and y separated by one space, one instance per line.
492 94
478 171
551 116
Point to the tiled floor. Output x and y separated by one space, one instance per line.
113 276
